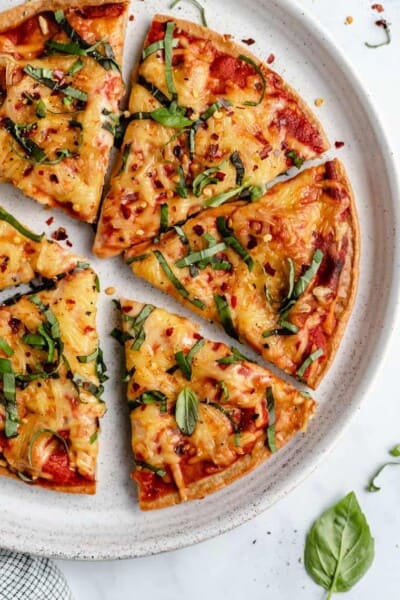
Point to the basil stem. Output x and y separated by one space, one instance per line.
184 361
5 347
200 255
107 61
137 325
225 316
144 465
233 242
271 420
175 281
239 166
5 216
150 397
40 432
197 5
372 487
168 46
309 361
259 72
386 28
295 158
187 411
154 91
10 400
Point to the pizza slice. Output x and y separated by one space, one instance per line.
60 86
51 374
208 123
25 255
201 414
279 274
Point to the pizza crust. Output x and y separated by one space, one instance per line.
86 488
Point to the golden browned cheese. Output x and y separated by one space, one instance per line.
230 435
22 259
266 130
58 409
69 117
310 215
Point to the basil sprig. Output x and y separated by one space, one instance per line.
271 420
224 315
259 72
107 61
180 288
8 398
231 241
184 361
5 216
150 397
187 411
339 547
136 325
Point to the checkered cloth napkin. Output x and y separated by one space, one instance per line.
24 577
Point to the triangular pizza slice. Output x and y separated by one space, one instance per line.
51 366
279 274
60 86
25 255
202 415
208 122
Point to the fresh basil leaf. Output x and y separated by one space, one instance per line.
372 487
163 218
124 158
168 47
156 46
200 255
259 72
89 357
239 167
76 67
271 420
220 103
232 242
93 437
9 398
309 361
46 78
197 5
175 281
187 411
5 347
181 188
225 391
5 216
154 91
184 361
203 179
274 332
395 451
296 159
235 357
41 110
224 315
165 116
339 547
305 280
18 132
138 258
137 325
150 397
149 467
224 196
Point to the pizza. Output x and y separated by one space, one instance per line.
60 87
208 123
51 365
279 274
25 255
202 415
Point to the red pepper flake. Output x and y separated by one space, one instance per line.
169 331
233 301
69 244
249 41
49 221
339 144
378 7
197 336
126 309
131 17
270 59
60 234
198 229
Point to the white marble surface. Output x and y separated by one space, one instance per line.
263 558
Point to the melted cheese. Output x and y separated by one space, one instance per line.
156 438
55 403
131 211
287 223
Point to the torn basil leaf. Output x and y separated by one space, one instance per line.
187 411
8 397
271 420
5 347
184 361
201 255
309 361
145 465
150 397
259 72
224 315
5 216
239 167
231 241
154 91
175 281
136 325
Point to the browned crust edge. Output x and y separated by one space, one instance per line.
18 14
350 294
87 488
235 49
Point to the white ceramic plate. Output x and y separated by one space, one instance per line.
110 524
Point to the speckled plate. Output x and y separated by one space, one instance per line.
110 524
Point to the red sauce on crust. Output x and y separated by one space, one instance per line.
156 32
151 485
57 466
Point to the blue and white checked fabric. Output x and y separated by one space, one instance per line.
25 577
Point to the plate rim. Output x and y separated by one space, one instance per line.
243 514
